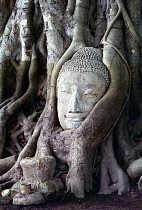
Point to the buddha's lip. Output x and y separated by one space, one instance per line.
75 118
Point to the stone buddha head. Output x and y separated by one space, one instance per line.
81 83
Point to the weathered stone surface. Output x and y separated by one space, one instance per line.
81 83
77 95
33 198
47 190
38 169
46 187
16 187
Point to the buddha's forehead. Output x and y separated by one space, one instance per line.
77 78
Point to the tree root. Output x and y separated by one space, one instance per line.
7 163
121 9
113 178
125 151
130 26
135 170
41 45
128 22
135 130
79 179
70 7
25 127
2 75
11 176
15 173
10 108
80 161
7 184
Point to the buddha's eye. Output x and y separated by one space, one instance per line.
65 91
94 94
90 92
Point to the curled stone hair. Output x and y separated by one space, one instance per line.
87 59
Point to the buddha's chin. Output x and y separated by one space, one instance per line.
70 123
73 124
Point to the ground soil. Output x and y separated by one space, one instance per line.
131 200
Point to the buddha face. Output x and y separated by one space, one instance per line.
77 94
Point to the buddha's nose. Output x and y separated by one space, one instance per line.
74 103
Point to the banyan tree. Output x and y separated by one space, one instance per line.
70 94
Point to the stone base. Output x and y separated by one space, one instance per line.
28 199
38 184
40 192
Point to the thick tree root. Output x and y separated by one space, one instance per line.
113 178
17 101
124 150
129 24
7 163
11 176
79 179
135 170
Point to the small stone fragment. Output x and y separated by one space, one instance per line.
5 192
